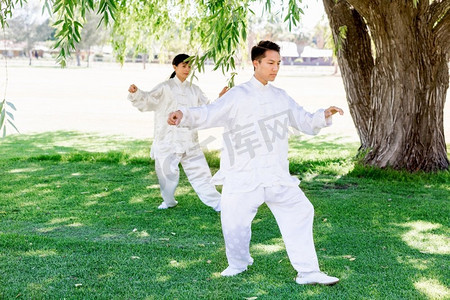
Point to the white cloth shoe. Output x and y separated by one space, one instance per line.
316 278
165 206
230 271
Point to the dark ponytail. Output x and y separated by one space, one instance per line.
178 60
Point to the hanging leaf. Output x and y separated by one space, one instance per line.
14 126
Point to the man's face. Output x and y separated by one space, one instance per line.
182 70
267 68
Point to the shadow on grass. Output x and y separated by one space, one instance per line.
84 224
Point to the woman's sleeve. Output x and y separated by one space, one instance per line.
306 122
147 101
202 99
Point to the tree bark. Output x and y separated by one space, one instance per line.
396 94
355 62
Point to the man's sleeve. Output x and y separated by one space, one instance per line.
306 122
215 114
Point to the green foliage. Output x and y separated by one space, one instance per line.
78 220
212 30
90 33
140 25
340 39
6 9
69 17
6 116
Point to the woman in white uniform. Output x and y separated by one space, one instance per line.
173 145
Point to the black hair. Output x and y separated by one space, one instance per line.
259 51
180 58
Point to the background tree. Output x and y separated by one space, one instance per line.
26 27
394 62
23 27
91 36
149 28
272 27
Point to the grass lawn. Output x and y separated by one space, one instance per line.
78 220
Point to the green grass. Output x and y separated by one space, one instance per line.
78 220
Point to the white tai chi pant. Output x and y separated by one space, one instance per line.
293 212
197 172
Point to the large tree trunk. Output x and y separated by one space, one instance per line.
396 93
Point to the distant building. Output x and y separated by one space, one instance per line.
316 57
10 50
288 52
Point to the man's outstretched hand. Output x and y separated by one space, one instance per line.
175 117
332 110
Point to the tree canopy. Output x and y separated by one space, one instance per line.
213 30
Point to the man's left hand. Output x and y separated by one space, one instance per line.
332 110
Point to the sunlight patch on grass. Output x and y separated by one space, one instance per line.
75 225
26 204
420 237
40 253
141 234
163 278
256 221
135 200
216 275
41 185
153 186
177 264
35 287
90 203
106 275
47 229
136 169
267 249
59 220
38 289
309 176
432 288
25 170
183 264
419 264
100 195
183 190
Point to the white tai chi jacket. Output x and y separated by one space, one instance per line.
257 119
163 99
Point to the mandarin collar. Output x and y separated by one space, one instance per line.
178 81
258 84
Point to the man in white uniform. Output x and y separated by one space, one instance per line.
254 166
172 145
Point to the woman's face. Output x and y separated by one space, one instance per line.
182 70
